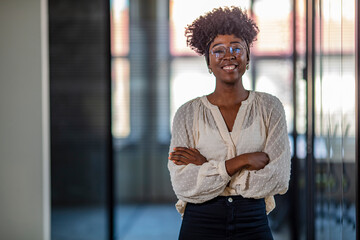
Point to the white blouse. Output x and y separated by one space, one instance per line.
260 126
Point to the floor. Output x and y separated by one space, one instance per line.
151 222
133 222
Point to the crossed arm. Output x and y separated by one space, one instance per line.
249 161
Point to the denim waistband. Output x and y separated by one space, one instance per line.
234 200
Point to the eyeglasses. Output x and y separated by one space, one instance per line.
220 51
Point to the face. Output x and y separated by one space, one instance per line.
228 58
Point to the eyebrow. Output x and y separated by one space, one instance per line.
223 43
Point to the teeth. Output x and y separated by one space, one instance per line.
229 67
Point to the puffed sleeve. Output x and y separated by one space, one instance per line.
193 183
274 177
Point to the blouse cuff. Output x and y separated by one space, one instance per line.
180 207
270 204
241 182
222 171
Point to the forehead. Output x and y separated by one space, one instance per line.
226 39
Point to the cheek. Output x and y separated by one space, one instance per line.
244 59
213 62
211 65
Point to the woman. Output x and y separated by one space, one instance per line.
230 150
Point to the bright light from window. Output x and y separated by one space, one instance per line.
119 27
274 21
120 98
274 10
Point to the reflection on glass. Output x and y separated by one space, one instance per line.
120 98
335 121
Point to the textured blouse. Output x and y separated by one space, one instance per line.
260 126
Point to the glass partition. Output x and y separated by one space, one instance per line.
334 145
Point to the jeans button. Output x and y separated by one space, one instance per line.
230 199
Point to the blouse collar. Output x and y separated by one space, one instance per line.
208 104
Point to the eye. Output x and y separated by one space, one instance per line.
218 51
237 49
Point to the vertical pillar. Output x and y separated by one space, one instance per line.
24 121
310 109
357 110
294 188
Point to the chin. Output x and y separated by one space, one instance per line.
230 79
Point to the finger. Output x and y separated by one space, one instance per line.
181 158
189 151
178 162
195 150
176 153
184 149
183 153
176 158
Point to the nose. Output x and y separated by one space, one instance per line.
229 54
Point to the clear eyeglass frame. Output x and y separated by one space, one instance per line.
220 51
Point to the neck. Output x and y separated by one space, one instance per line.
228 94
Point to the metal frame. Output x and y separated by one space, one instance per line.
110 166
310 109
294 224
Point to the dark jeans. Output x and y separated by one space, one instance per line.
226 218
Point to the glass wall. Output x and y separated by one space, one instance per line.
334 102
152 68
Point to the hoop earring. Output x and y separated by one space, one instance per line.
210 71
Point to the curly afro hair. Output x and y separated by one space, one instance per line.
220 21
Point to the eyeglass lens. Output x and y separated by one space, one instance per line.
220 51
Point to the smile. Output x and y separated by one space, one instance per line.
229 67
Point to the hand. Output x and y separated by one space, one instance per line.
185 156
256 160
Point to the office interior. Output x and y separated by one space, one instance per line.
89 89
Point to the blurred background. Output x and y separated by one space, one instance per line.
96 84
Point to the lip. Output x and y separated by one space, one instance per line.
229 70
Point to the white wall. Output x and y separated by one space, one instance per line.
24 121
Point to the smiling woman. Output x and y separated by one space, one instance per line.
228 66
229 152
